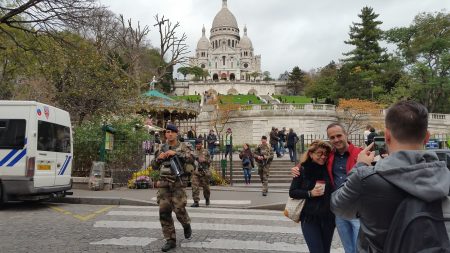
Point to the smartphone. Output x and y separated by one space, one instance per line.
379 145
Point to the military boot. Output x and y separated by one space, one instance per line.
195 204
207 202
187 231
170 244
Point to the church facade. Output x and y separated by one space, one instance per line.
226 55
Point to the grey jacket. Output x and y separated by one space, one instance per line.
373 193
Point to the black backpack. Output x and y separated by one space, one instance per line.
418 226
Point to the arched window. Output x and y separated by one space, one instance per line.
223 60
229 43
232 43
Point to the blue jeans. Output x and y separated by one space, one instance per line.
276 149
247 174
348 232
318 234
282 149
292 153
212 151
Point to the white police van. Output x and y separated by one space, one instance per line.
35 151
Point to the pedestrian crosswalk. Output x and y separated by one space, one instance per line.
214 229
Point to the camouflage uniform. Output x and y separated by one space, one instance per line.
264 165
201 175
171 193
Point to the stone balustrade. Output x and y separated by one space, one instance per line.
287 107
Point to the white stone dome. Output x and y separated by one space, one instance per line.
245 42
203 43
224 18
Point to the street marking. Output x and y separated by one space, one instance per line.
81 217
155 213
251 245
210 209
126 241
221 202
199 226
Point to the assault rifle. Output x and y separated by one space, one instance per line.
175 165
263 162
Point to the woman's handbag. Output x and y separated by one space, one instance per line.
294 208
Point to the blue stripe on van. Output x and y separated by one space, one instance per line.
65 166
8 156
18 157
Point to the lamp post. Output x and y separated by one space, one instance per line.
371 89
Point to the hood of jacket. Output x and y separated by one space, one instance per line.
419 173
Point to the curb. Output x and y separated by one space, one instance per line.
273 207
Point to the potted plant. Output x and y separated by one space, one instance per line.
142 182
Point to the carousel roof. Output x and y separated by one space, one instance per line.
155 93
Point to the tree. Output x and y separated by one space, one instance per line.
266 75
323 83
363 64
184 71
296 82
355 114
254 75
42 17
221 116
171 46
424 47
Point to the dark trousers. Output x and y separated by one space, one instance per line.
318 234
228 150
292 153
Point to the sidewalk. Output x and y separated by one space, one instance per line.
245 197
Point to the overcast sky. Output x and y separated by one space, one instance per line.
286 33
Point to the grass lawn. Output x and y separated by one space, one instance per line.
296 99
189 98
239 99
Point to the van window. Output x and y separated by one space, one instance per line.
12 133
53 137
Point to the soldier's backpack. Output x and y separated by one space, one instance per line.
418 226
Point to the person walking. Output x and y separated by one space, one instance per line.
247 163
371 136
375 192
292 140
211 139
201 174
282 140
274 141
314 185
191 134
340 162
264 156
171 195
228 140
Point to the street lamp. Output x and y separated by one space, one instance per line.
371 88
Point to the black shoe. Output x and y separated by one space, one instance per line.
170 244
264 194
207 202
195 204
187 231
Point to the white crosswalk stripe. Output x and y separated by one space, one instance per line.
257 227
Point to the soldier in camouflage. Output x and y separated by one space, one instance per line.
264 156
171 193
201 175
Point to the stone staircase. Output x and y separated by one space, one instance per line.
270 99
279 177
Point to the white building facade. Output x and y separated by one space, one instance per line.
226 55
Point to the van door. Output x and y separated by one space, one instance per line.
44 175
63 148
13 147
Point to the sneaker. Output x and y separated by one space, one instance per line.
187 231
170 244
195 204
264 194
207 202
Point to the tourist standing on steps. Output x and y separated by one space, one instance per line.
171 195
274 141
228 139
314 185
292 140
211 139
201 174
264 156
282 140
247 163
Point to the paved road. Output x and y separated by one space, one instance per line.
59 227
